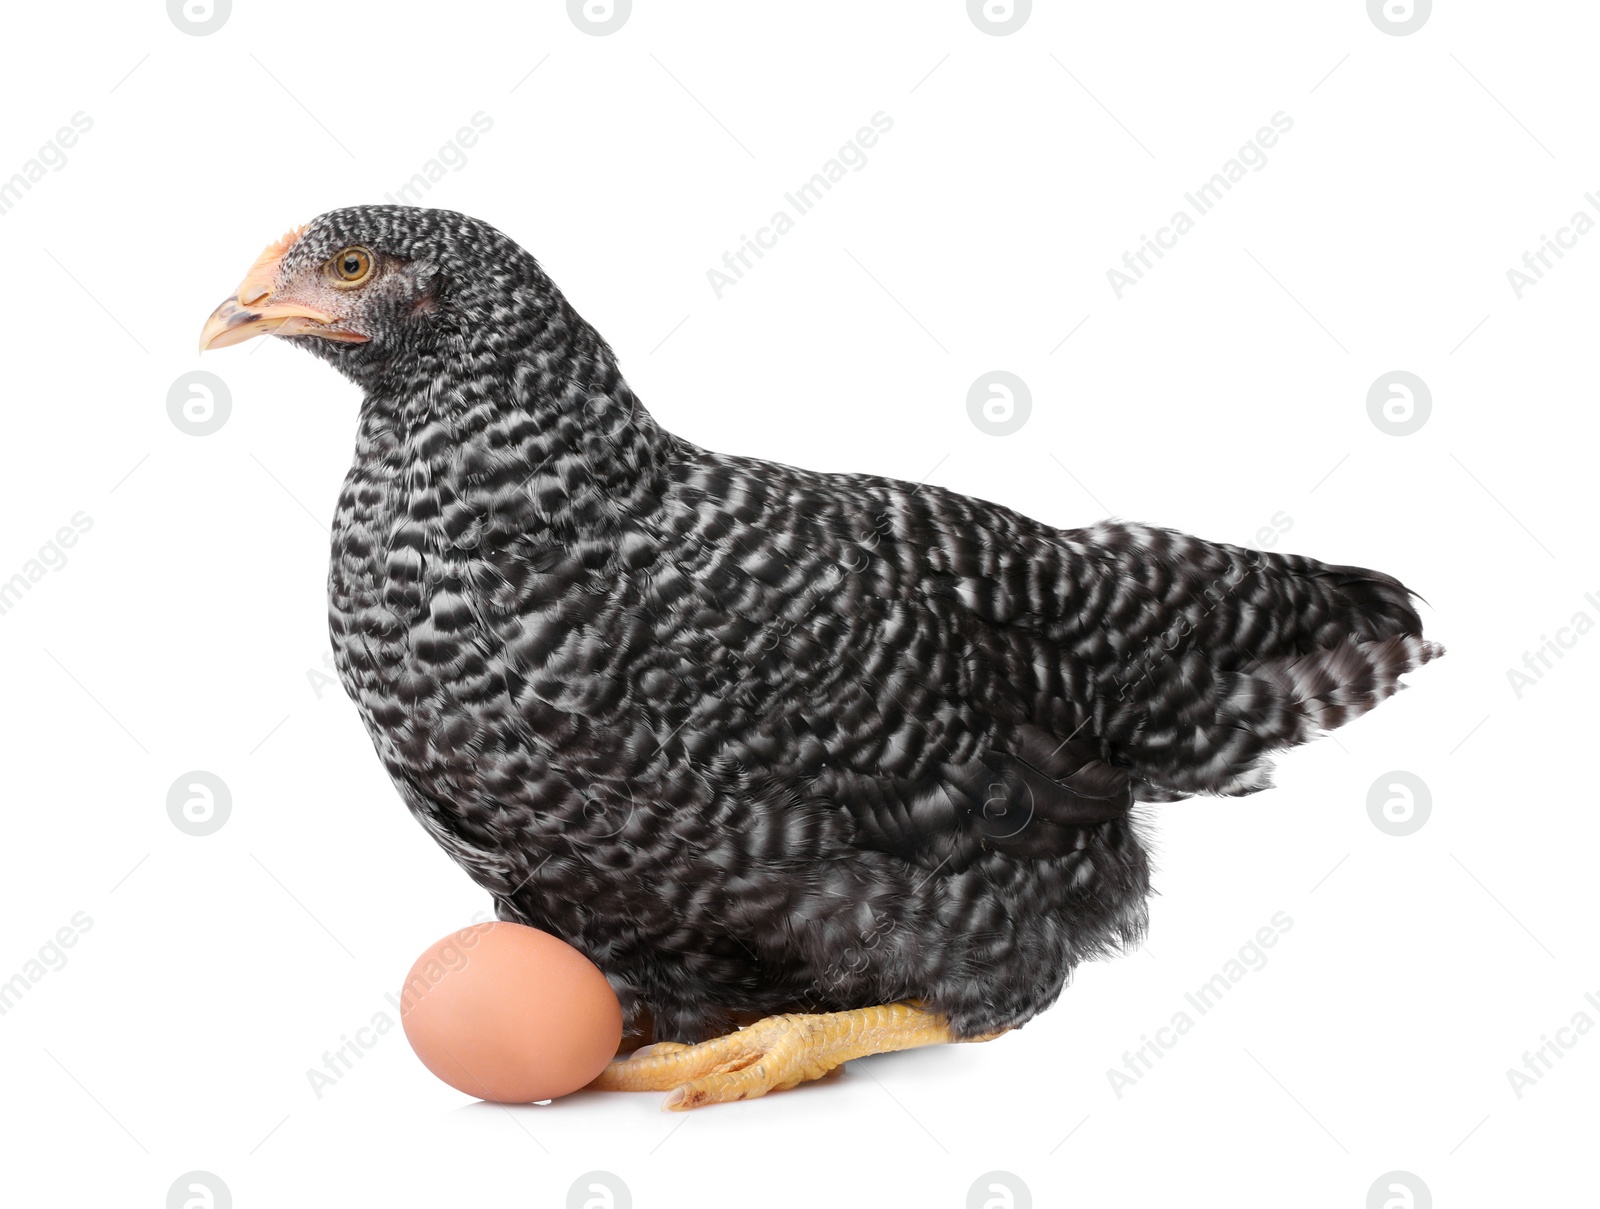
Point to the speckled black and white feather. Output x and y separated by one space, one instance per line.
760 739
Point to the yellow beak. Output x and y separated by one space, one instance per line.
234 323
250 310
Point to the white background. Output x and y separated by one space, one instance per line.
1226 387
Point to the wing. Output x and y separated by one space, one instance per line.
857 644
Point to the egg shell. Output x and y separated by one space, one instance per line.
511 1014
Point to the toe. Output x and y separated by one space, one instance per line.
746 1084
667 1065
659 1047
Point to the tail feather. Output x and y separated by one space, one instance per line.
1381 603
1286 702
1292 649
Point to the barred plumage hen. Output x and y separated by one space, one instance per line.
847 758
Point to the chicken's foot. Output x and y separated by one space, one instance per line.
773 1054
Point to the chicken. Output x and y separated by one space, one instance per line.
846 759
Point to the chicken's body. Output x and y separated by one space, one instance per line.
757 739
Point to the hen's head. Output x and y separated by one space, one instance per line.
384 292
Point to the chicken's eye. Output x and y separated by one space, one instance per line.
351 266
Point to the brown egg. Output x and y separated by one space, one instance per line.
509 1013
